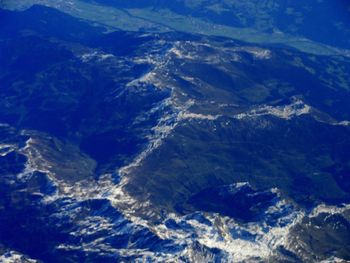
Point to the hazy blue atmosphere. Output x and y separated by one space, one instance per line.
174 131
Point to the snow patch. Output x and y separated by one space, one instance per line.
15 257
297 108
332 210
180 54
5 149
95 55
148 78
260 53
241 241
189 115
343 123
333 260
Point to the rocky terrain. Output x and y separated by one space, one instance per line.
169 146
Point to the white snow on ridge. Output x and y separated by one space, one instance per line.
189 115
192 50
156 74
180 54
5 149
164 127
34 157
333 260
100 56
332 210
259 53
148 78
224 233
15 257
240 241
342 123
297 108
